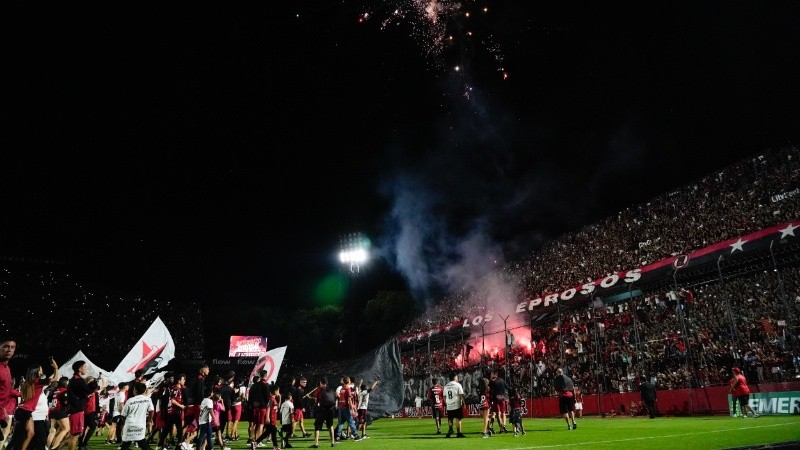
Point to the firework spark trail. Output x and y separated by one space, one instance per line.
440 25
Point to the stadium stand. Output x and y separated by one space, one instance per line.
683 333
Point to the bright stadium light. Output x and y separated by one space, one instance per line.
354 251
357 256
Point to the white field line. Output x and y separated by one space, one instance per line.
644 438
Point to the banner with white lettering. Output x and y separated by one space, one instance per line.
768 403
153 351
543 309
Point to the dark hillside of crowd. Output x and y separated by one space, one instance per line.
51 313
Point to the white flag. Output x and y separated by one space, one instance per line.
271 362
66 369
153 351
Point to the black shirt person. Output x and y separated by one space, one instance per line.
648 390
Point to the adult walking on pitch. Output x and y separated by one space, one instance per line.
436 397
454 401
741 392
498 400
78 392
648 390
566 397
324 411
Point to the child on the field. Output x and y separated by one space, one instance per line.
516 412
102 418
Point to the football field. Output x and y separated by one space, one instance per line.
672 433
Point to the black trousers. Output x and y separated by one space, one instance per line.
171 420
271 431
651 408
89 427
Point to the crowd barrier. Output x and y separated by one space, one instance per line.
679 402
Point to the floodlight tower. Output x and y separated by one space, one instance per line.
353 254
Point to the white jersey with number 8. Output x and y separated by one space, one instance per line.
453 391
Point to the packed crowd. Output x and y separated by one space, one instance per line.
680 337
733 202
86 319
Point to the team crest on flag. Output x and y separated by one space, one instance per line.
153 351
271 362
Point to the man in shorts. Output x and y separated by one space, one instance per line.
740 392
436 397
323 412
566 397
454 401
497 399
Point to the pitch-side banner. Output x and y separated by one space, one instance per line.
772 402
154 350
271 362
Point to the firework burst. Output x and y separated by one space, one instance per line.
449 33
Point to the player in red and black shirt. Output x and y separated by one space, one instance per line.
436 397
498 400
272 420
90 417
174 413
160 398
258 397
31 389
346 407
78 391
59 415
195 392
299 396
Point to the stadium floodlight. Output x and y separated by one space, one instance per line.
354 251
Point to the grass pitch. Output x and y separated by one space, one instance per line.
593 433
672 433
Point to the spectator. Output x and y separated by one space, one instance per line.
8 395
78 392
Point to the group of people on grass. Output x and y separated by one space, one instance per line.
496 401
50 413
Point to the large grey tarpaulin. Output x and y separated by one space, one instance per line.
382 364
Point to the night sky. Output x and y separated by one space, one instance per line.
216 155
